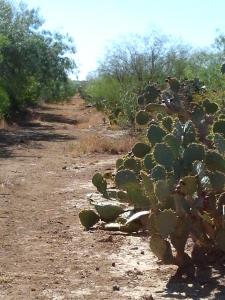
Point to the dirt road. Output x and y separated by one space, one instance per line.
44 251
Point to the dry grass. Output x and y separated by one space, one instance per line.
92 119
92 143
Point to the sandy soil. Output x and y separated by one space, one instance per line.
44 251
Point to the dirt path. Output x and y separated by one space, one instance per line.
44 252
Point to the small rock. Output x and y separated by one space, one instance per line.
113 264
97 269
148 297
107 239
134 248
116 288
142 252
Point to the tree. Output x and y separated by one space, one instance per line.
34 63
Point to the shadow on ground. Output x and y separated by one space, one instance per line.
197 282
28 134
55 118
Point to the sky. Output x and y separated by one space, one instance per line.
94 24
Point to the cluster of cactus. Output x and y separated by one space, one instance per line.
171 184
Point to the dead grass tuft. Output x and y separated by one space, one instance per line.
92 119
92 143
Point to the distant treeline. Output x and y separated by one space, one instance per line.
133 61
34 63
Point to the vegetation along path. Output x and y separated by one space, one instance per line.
45 175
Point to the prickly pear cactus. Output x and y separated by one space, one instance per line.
176 176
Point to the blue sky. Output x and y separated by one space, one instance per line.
93 24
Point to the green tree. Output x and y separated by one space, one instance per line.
34 63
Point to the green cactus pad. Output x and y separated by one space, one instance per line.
219 142
141 149
158 173
88 218
217 180
162 191
166 222
149 188
215 161
142 117
181 205
199 169
159 117
156 108
178 130
167 123
189 135
180 235
147 182
174 144
161 248
219 127
149 162
193 152
210 107
221 117
138 198
108 210
132 164
122 196
163 155
189 185
119 163
126 178
155 134
100 183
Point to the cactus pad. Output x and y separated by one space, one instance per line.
210 107
108 210
188 185
155 134
219 127
219 142
132 164
158 173
166 222
99 181
149 162
88 218
167 123
163 155
142 117
174 144
126 178
161 248
215 161
141 149
193 152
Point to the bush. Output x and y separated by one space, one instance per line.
4 102
34 63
